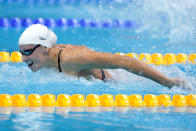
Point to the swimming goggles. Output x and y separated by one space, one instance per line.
29 51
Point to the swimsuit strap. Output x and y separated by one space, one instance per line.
59 62
60 70
103 74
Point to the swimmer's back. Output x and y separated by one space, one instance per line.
72 64
71 46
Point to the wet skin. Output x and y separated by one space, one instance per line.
81 61
45 57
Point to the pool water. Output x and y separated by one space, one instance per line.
167 27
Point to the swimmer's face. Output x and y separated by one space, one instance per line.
34 55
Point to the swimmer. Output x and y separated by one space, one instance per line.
38 49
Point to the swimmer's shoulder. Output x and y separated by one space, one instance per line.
73 53
79 47
62 46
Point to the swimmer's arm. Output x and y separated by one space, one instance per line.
113 61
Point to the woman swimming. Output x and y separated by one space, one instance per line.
38 49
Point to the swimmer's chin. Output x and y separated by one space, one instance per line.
34 69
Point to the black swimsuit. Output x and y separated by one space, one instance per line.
59 61
103 74
60 70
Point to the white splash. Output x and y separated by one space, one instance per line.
172 19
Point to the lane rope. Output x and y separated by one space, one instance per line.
156 58
93 100
54 2
63 23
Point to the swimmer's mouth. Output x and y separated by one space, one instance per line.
30 63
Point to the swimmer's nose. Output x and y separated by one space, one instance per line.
24 58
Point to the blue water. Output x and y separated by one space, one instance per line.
167 27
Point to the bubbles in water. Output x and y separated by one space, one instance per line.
20 79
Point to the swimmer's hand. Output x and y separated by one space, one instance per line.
180 83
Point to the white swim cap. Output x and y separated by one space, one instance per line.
38 34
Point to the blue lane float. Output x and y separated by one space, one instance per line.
52 2
63 22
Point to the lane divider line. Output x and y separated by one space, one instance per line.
156 58
93 100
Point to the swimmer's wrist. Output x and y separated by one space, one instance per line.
169 83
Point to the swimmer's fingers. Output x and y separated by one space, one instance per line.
182 83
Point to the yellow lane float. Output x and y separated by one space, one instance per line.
93 100
155 58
